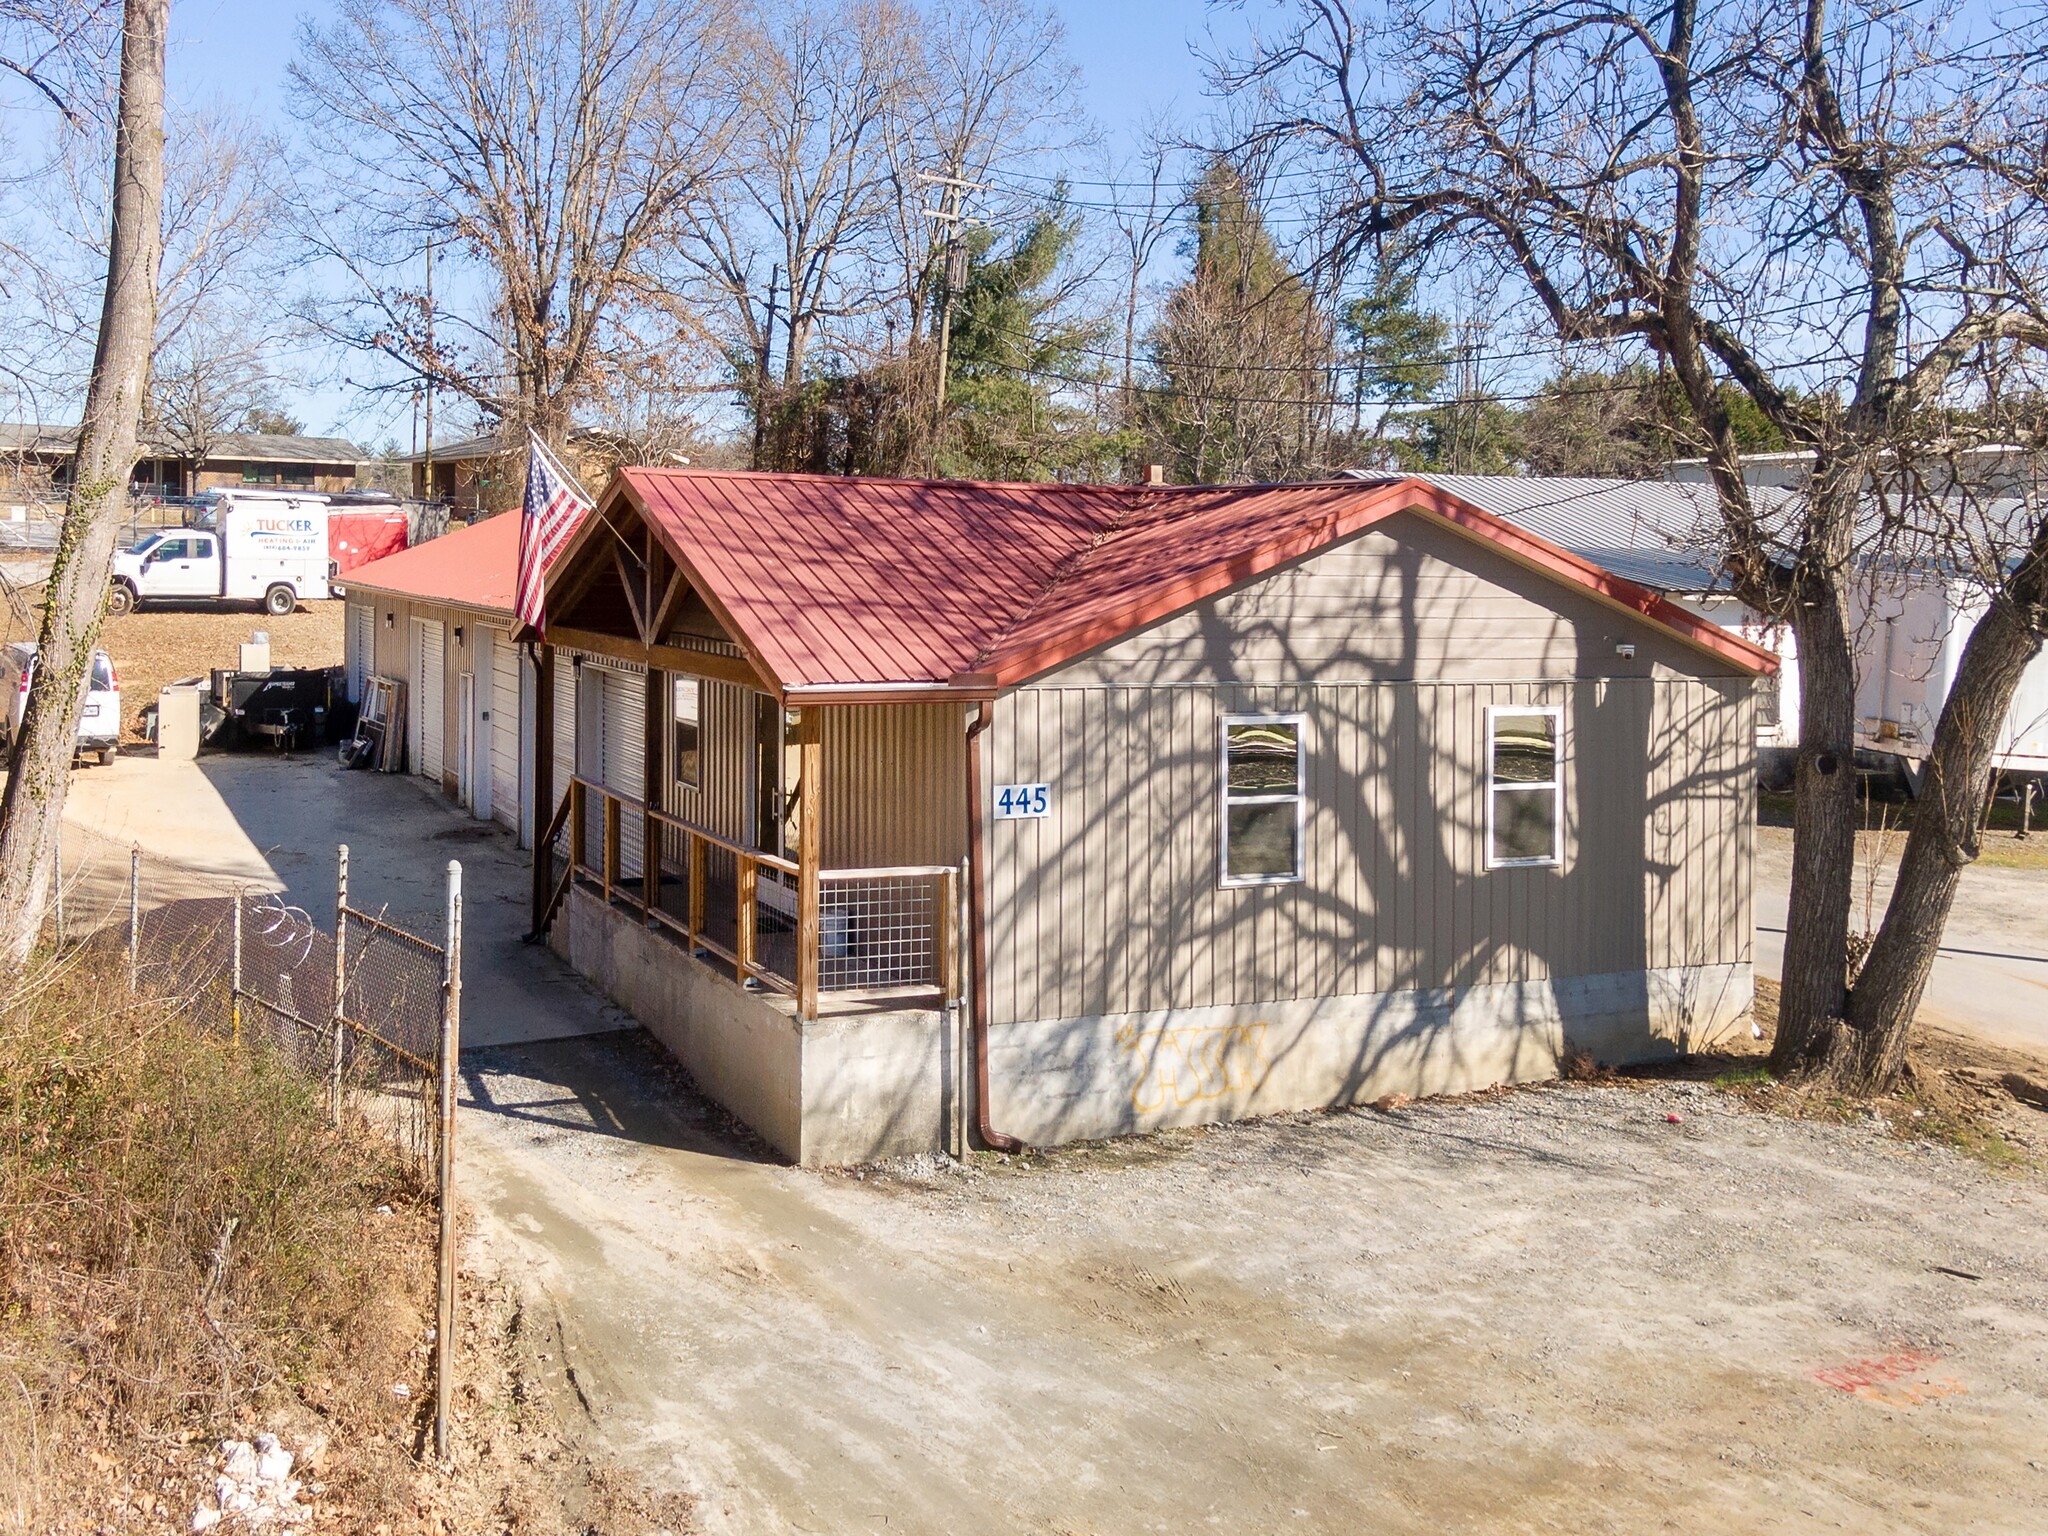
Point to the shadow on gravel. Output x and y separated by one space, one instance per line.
621 1084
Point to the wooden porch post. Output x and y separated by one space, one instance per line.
543 782
810 843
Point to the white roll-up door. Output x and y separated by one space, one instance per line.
625 750
566 674
428 664
565 730
506 726
361 649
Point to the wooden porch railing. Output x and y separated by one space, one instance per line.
888 930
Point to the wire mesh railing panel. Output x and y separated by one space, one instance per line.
881 933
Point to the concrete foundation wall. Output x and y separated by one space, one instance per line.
846 1089
857 1087
741 1050
1061 1080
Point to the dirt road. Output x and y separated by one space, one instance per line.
1553 1311
1991 978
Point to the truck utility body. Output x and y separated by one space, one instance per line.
250 547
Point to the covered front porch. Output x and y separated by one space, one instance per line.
773 884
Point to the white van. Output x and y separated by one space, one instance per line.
99 724
252 546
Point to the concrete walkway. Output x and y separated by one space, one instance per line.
273 823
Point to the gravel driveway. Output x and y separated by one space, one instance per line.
1551 1310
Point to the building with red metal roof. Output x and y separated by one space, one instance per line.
916 814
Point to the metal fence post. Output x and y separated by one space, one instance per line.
340 971
235 974
134 912
57 878
451 1045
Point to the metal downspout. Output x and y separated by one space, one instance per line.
977 880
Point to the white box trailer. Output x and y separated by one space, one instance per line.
1909 633
265 547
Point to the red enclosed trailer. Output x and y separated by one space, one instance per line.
358 535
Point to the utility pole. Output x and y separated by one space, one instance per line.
429 371
953 269
761 363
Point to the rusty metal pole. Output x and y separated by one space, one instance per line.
134 911
340 972
451 1045
235 975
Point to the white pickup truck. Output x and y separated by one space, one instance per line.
263 547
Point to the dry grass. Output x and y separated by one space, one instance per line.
1989 1103
187 1249
158 646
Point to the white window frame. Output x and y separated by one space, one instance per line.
1225 800
1555 786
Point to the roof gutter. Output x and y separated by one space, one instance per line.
977 922
884 693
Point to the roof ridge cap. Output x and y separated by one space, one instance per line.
1065 566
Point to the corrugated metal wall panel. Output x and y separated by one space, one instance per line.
1111 903
429 665
895 785
564 746
625 755
506 729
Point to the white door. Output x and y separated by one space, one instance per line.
361 649
183 566
427 666
482 790
465 739
507 723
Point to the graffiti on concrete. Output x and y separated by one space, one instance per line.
1192 1064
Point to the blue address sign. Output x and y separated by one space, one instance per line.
1017 802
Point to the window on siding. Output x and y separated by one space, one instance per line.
1524 786
687 732
1767 705
1262 802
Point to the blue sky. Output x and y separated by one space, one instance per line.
1135 57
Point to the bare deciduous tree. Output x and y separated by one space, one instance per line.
58 48
75 602
1831 210
547 146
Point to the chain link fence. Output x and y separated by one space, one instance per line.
362 1003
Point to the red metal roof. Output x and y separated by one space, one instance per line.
474 566
835 582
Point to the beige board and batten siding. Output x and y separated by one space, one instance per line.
1113 945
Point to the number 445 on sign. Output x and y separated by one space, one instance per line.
1014 802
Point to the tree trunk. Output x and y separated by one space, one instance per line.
76 600
1815 977
1868 1052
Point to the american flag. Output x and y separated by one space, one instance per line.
553 509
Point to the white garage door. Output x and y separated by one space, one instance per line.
505 728
609 726
361 649
428 664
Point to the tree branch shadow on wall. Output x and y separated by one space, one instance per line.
1400 925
